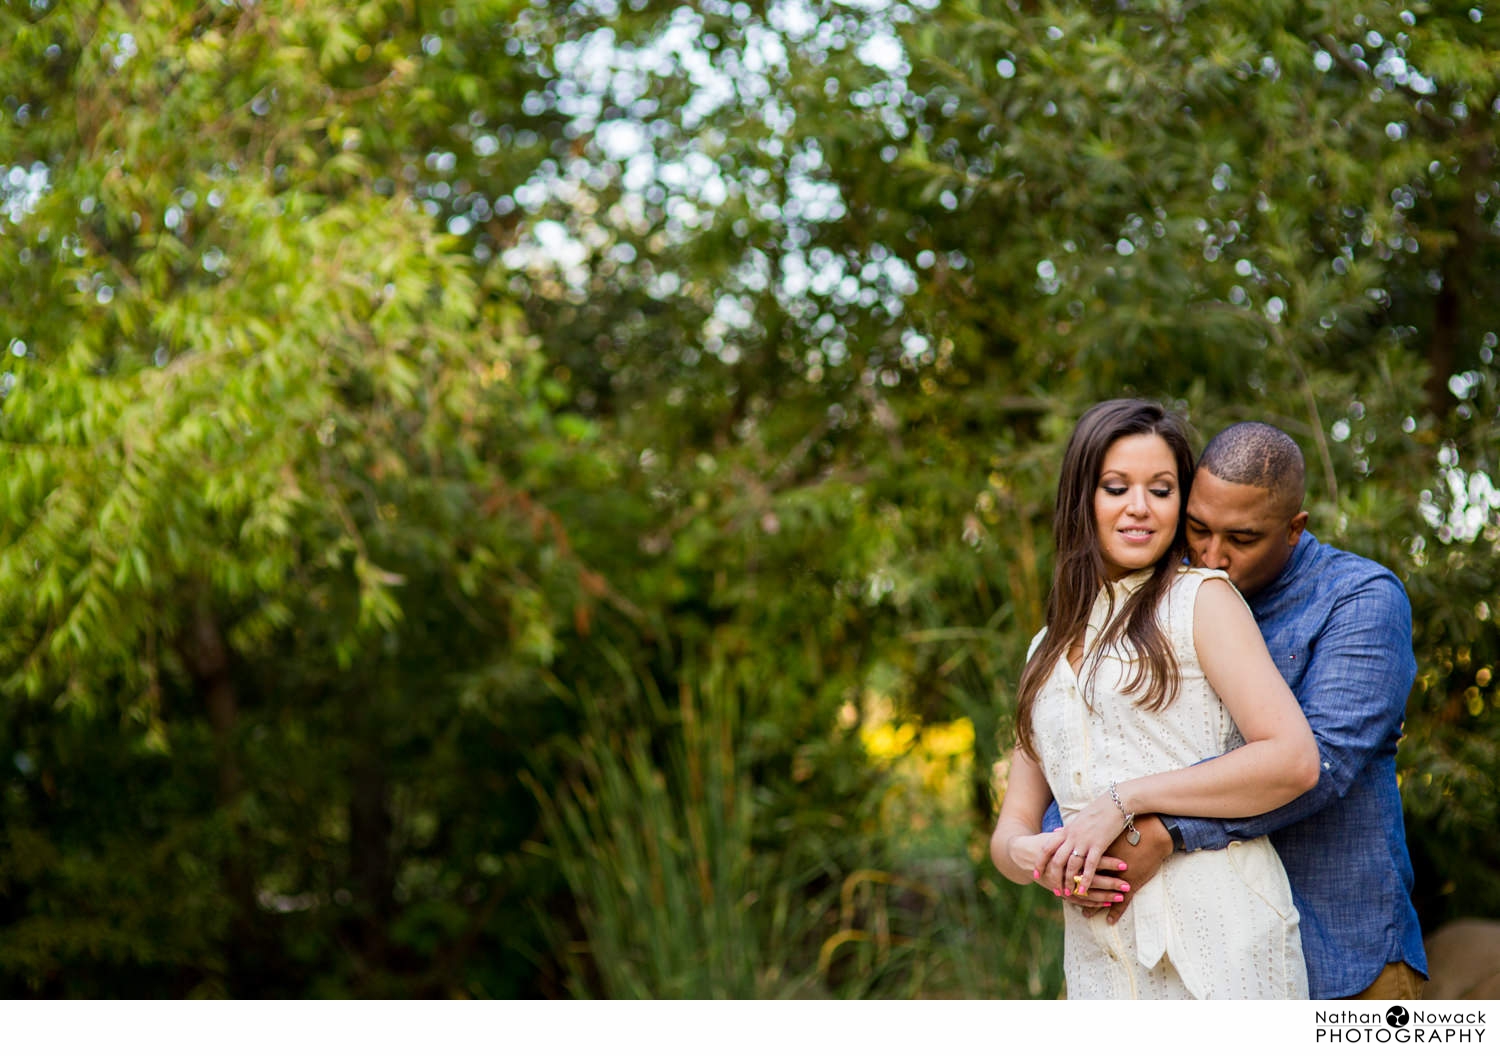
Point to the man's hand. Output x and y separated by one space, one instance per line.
1142 862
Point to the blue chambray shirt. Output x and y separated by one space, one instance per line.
1339 629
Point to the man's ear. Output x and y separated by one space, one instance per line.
1295 529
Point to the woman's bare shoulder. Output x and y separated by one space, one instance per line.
1204 583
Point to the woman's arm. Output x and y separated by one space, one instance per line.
1279 759
1277 763
1026 799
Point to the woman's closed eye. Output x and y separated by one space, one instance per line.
1120 489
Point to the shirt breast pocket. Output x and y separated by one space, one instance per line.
1291 660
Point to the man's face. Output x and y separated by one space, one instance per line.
1238 528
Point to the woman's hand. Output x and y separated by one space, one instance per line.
1081 852
1033 852
1025 855
1047 855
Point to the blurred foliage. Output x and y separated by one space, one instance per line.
523 499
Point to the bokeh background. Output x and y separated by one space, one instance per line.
513 499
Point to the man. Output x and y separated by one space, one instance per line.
1339 629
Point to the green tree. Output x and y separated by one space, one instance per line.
404 406
892 275
274 529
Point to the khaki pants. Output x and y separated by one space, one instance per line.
1396 982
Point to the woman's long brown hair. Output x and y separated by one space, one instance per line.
1079 573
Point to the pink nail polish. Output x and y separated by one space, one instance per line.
1124 887
1057 891
1036 874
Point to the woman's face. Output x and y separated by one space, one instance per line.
1136 505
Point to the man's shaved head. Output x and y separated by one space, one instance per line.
1244 514
1261 456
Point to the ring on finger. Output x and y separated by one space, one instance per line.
1076 854
1078 887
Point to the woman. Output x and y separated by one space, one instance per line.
1144 669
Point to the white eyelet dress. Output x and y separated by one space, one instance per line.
1210 924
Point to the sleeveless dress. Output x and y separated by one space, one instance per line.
1210 924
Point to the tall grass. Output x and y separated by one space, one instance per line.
687 882
659 856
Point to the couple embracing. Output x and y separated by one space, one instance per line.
1207 726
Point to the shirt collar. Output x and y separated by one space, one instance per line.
1128 585
1111 598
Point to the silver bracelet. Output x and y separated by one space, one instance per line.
1132 834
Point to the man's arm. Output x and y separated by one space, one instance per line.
1354 696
